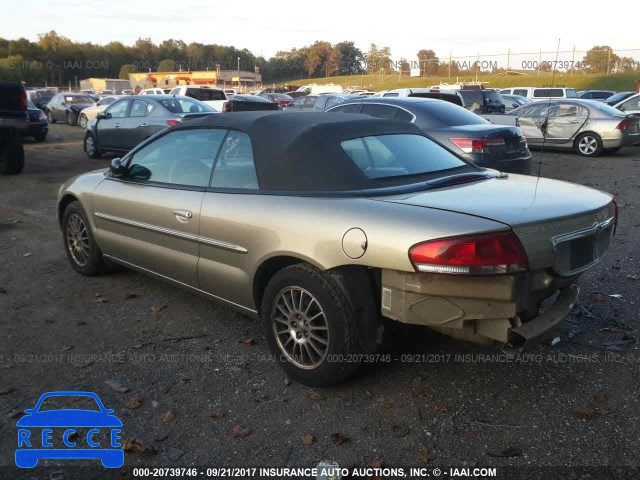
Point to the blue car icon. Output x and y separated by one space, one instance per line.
33 446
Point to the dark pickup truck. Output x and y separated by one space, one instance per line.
13 119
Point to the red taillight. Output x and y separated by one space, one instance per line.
492 254
615 217
283 104
173 123
476 145
623 125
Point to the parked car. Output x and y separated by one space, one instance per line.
214 97
90 113
130 120
244 103
296 94
630 105
600 95
613 100
326 101
321 225
67 107
463 132
303 104
477 100
13 119
281 99
40 97
541 93
37 126
586 126
230 92
318 89
152 91
514 101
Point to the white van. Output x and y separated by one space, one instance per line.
314 89
541 93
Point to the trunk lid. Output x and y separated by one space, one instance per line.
502 142
561 225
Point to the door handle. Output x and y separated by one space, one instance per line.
117 125
143 125
183 214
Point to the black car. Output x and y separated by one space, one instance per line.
66 107
613 100
600 95
492 146
133 119
482 100
38 126
243 103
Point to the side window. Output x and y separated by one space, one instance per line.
349 108
321 102
520 91
569 110
118 109
392 94
182 157
633 104
380 111
310 101
404 116
140 108
235 167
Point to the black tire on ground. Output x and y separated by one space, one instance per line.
91 146
50 117
82 120
72 118
40 137
82 251
338 357
588 144
12 156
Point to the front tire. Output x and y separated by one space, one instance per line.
82 121
82 251
588 145
91 146
310 326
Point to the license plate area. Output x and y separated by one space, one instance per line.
575 252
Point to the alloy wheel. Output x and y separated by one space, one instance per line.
300 327
588 145
89 145
77 238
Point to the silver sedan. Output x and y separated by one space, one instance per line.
588 127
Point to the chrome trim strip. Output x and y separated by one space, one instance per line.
593 229
178 282
173 233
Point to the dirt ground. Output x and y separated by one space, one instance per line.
134 340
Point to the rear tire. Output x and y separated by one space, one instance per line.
91 146
50 117
310 326
82 251
12 156
588 145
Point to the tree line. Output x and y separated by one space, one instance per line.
56 60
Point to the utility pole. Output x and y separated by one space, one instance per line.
608 59
509 59
238 73
573 57
450 60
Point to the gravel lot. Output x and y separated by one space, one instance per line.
128 337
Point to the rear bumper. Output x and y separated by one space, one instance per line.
520 336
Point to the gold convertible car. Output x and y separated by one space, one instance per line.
322 224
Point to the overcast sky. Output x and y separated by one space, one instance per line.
461 27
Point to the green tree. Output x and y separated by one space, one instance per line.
125 70
429 62
351 59
600 59
166 66
378 60
404 66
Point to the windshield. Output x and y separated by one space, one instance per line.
30 104
448 114
493 98
185 105
205 94
618 97
107 101
77 99
571 93
385 156
42 95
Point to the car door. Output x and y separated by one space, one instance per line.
228 237
149 217
565 121
532 120
135 127
108 129
54 107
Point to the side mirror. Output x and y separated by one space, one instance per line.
103 116
117 168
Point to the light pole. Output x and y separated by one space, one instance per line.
238 73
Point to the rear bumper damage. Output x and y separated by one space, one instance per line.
502 308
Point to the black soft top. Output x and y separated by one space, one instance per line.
302 151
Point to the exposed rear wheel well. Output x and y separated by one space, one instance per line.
66 200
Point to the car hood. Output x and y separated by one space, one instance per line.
69 418
512 200
81 106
